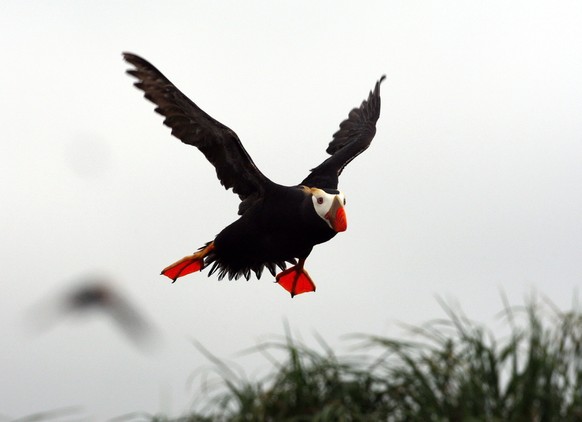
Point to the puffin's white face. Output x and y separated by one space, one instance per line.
330 207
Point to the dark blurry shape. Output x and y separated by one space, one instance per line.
97 295
278 224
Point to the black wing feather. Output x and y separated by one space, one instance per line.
221 146
353 137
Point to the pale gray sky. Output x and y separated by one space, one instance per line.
473 183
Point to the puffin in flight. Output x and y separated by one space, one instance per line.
277 224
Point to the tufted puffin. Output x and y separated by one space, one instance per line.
277 224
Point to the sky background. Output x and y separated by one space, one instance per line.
472 186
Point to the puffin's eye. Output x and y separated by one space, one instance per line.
344 201
320 200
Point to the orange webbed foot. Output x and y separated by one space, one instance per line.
187 265
296 280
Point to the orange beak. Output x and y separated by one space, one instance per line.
337 216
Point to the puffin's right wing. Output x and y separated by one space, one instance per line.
234 167
353 137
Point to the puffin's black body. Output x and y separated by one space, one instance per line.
271 232
278 224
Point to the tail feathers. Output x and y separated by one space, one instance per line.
223 269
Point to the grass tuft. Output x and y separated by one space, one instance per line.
451 369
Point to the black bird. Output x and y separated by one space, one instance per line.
96 294
278 224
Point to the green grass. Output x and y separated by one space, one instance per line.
452 369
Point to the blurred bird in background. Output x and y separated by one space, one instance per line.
95 295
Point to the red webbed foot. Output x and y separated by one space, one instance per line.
296 280
187 265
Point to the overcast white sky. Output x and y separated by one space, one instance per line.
472 185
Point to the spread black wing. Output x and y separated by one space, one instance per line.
353 137
234 167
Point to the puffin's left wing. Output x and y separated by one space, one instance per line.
190 124
353 137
